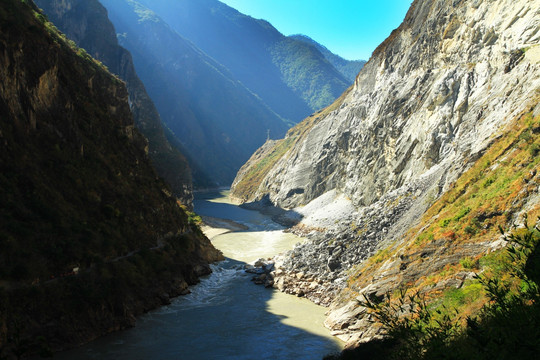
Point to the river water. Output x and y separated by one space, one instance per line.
226 316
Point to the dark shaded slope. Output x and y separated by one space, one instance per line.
290 76
348 68
89 236
215 117
86 23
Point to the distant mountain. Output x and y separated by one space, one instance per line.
214 116
348 68
90 237
292 77
86 23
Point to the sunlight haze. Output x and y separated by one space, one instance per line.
349 28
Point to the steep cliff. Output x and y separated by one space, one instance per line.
434 98
215 117
87 24
432 94
90 236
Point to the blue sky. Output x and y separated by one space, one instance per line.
349 28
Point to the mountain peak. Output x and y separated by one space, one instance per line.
348 68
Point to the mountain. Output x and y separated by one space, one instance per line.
90 236
217 120
348 68
86 23
404 180
292 77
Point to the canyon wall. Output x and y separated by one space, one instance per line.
355 178
90 236
87 24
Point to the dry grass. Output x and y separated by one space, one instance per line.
485 197
248 185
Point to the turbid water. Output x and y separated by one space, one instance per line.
226 316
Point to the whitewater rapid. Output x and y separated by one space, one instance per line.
226 316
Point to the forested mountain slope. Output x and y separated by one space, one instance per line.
348 68
215 117
86 23
90 236
293 78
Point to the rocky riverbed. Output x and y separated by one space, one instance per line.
339 237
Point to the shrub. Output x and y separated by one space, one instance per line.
468 263
445 222
462 213
534 150
421 330
505 328
488 182
469 230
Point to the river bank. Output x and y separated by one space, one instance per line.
213 227
225 316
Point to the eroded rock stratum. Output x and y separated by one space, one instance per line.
446 87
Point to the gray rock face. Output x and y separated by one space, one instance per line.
425 107
431 96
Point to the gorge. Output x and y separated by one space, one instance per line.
385 204
226 316
222 81
392 183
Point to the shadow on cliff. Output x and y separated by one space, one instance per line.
257 214
224 317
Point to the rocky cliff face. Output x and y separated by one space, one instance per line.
86 23
90 236
429 98
434 96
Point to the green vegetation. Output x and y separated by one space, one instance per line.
301 67
490 194
256 173
490 191
61 38
289 74
99 39
217 121
463 297
90 237
381 255
506 327
348 68
468 263
193 218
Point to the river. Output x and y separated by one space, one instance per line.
226 316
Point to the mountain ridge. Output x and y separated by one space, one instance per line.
290 76
207 110
434 97
90 236
86 23
348 68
